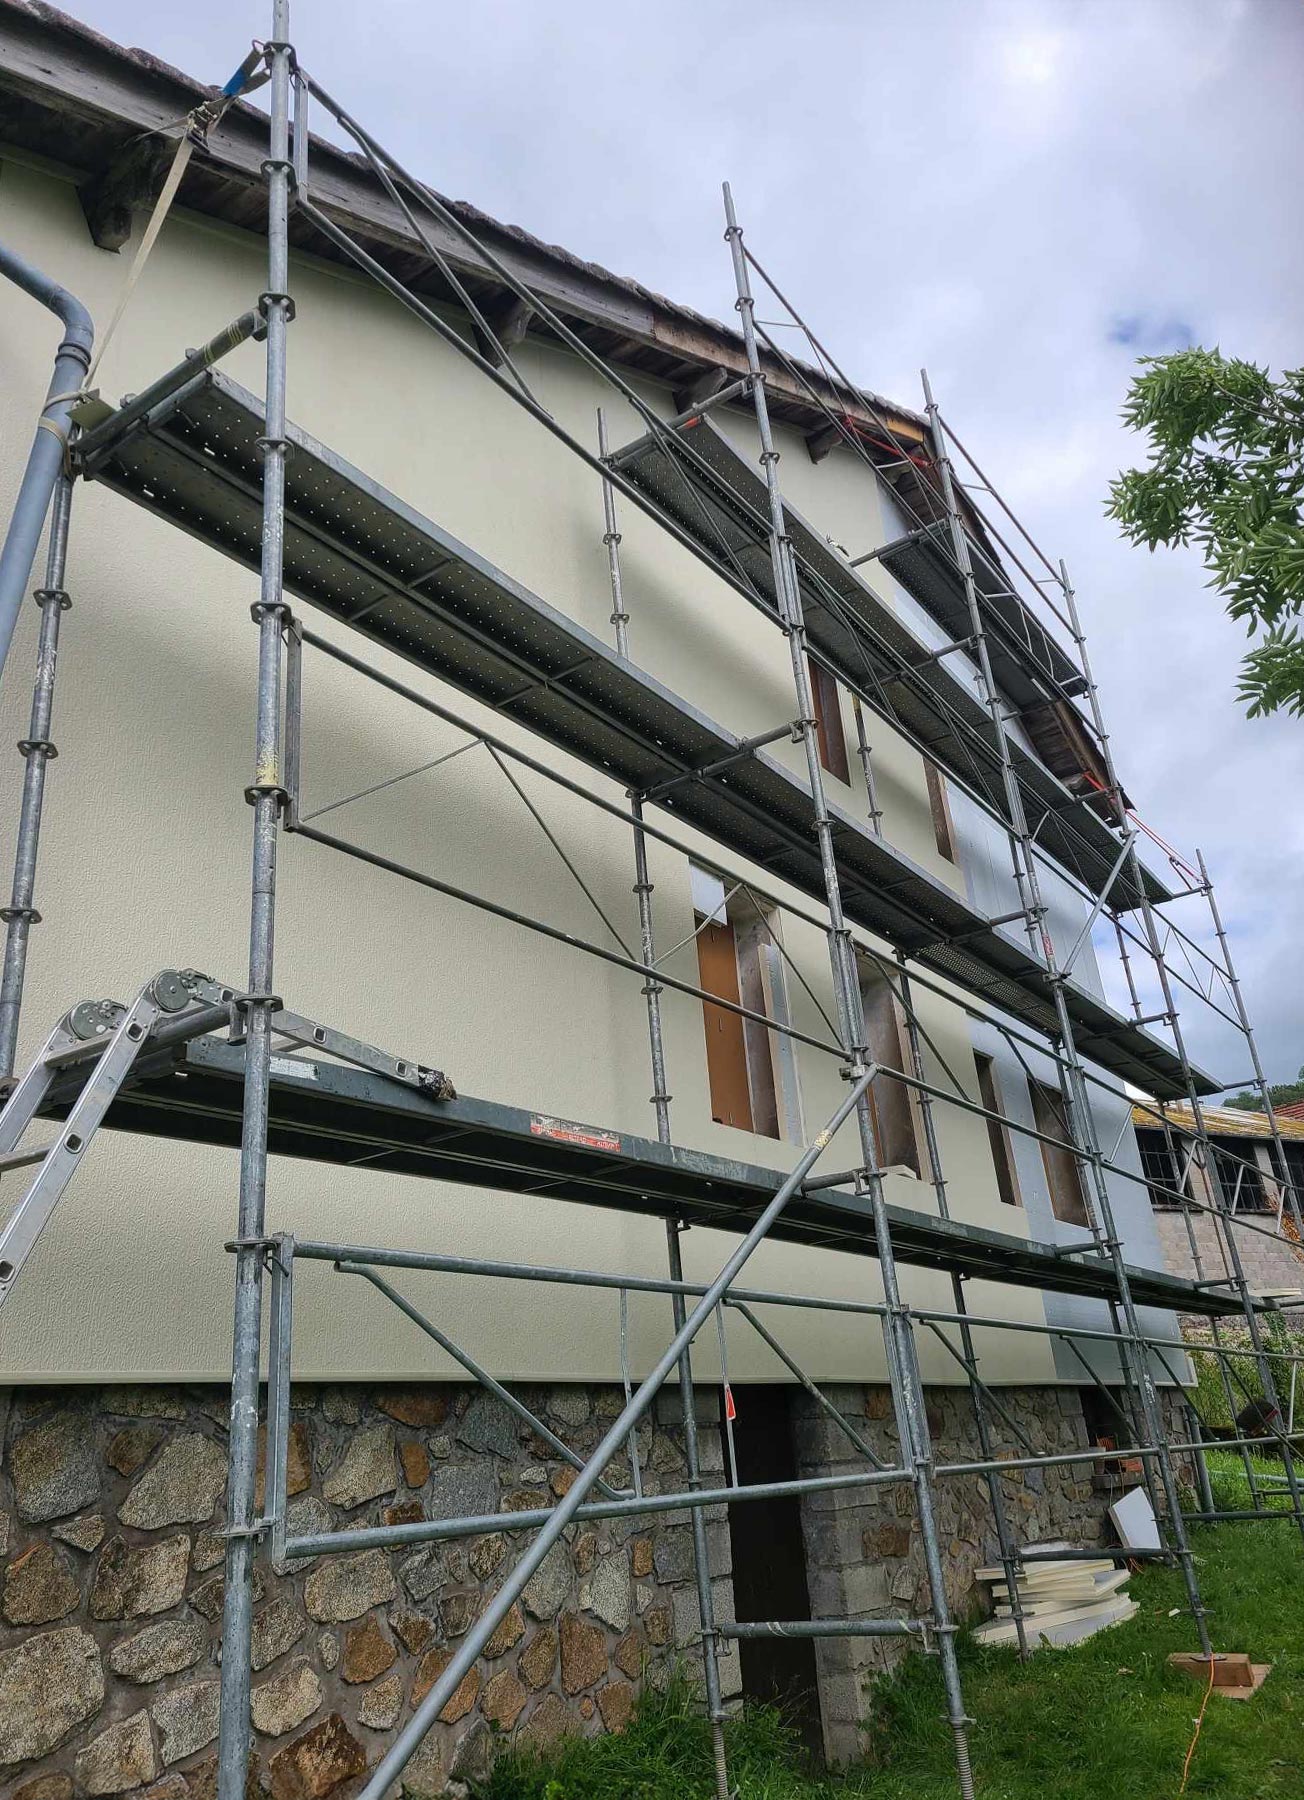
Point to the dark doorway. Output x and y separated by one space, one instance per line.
769 1562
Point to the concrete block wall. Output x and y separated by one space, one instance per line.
1270 1261
863 1548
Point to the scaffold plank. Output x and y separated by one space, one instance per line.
375 564
331 1113
697 476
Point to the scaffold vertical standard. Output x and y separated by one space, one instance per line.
191 1056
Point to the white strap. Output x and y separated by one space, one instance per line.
161 205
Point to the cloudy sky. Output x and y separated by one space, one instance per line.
1024 195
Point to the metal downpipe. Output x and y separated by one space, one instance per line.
45 459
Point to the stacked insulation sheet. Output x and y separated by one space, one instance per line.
1063 1601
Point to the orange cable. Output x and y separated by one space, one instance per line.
1195 1736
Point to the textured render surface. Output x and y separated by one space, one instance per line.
111 1592
146 809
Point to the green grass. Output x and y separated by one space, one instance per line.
1231 1487
1104 1720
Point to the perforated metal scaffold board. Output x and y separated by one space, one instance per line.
375 564
697 476
328 1112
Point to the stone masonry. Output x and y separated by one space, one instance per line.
111 1505
111 1508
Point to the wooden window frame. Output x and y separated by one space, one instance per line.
727 1074
1061 1166
742 1080
875 991
939 806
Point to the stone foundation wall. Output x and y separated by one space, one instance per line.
1270 1262
111 1590
111 1508
863 1549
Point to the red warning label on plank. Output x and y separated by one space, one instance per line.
566 1131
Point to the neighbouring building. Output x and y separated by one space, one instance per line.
1245 1168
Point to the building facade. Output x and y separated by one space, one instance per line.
116 1342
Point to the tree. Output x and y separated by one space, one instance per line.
1281 1093
1226 473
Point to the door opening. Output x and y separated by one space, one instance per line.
769 1563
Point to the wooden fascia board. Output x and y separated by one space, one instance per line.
88 78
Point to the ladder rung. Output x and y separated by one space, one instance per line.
19 1159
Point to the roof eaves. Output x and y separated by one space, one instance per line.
144 63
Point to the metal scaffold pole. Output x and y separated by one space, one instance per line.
643 889
38 750
1006 1549
559 1517
1080 1118
648 745
267 796
1224 1222
903 1367
1011 1567
1289 1188
1198 1265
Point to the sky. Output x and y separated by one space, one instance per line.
1022 195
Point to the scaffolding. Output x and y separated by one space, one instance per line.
994 707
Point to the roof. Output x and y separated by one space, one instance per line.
1294 1111
109 115
1225 1121
77 98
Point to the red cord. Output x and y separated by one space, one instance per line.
1175 857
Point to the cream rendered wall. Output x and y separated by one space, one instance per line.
145 856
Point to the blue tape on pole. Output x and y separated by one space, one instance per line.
240 79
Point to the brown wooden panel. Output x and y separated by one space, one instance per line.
726 1049
943 830
1068 1201
997 1136
890 1102
828 722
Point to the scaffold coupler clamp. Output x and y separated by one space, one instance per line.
252 73
271 1247
435 1083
